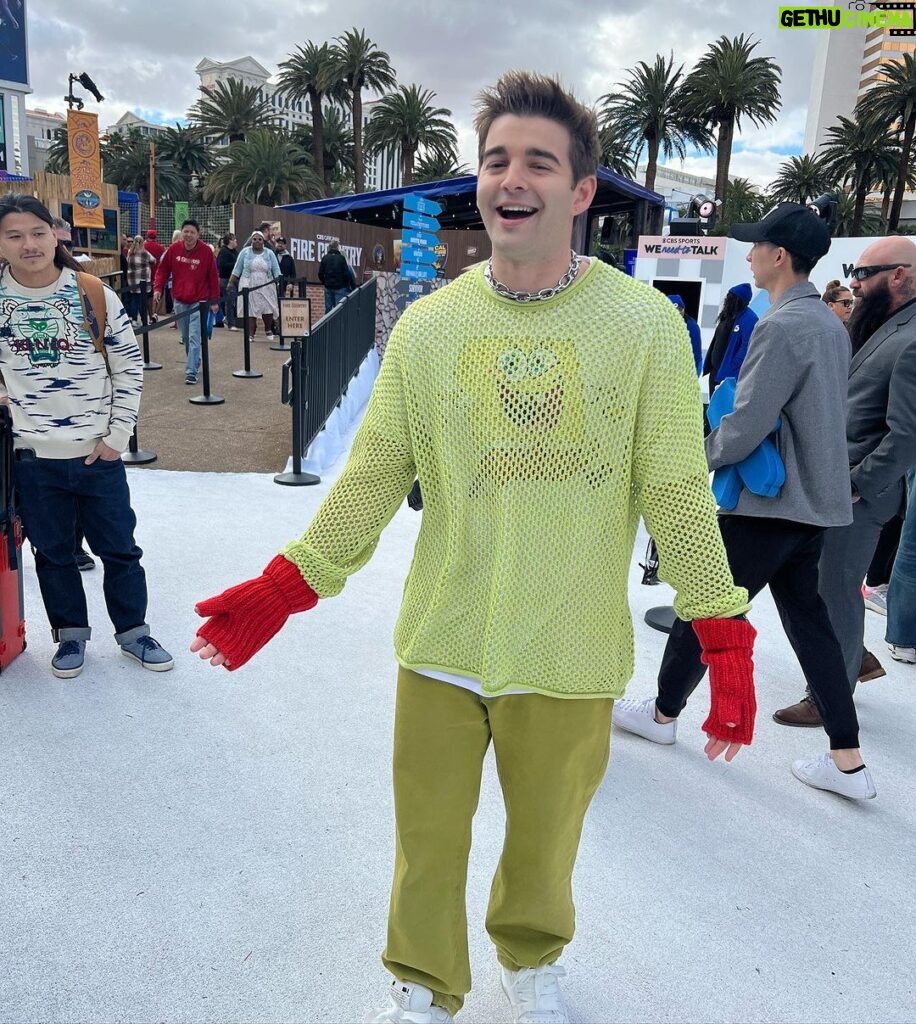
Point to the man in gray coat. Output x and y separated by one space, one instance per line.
881 439
795 371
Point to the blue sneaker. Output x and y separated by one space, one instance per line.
149 653
68 662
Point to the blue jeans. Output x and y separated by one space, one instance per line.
332 296
52 495
901 591
190 334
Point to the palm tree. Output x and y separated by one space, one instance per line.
892 102
646 111
361 65
126 164
861 154
338 148
850 221
59 152
310 75
743 203
616 153
405 120
726 85
801 178
230 109
430 167
267 168
186 151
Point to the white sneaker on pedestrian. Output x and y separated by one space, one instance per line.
822 773
411 1004
638 716
534 993
904 654
875 598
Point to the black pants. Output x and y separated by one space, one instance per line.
784 556
879 572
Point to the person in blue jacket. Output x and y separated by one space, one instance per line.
693 329
732 334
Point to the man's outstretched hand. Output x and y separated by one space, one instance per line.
208 652
244 617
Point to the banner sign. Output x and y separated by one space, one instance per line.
417 220
295 318
420 238
418 254
420 204
681 247
418 272
85 169
181 213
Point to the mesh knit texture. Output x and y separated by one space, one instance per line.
539 432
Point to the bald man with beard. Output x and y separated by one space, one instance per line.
881 436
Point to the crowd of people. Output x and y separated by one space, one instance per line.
263 267
545 402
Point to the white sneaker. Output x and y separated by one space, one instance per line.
875 598
534 993
904 654
411 1004
822 773
638 716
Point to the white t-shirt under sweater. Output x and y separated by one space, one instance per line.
62 400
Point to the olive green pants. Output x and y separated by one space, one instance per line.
551 755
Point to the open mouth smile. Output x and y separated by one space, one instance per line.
515 212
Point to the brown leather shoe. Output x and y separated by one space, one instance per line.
804 714
870 668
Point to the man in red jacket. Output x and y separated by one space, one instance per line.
192 267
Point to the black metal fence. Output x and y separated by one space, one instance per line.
316 375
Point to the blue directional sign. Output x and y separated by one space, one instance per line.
417 220
417 272
420 204
416 254
421 238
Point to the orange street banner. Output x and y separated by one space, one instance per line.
85 169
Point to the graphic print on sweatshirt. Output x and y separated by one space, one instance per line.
52 371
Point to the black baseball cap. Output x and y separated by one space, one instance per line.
792 226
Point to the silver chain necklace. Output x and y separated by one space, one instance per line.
575 261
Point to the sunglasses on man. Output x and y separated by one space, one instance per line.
864 273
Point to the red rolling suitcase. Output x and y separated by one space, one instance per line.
12 613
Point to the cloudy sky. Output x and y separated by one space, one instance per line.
142 55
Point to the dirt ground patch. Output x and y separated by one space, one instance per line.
250 432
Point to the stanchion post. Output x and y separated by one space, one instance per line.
135 456
297 478
246 344
206 398
280 346
148 364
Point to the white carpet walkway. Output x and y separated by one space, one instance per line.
201 846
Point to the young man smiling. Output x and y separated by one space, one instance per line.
73 414
544 401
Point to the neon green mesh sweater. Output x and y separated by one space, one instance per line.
539 432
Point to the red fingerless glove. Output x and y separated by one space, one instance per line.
728 646
246 616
